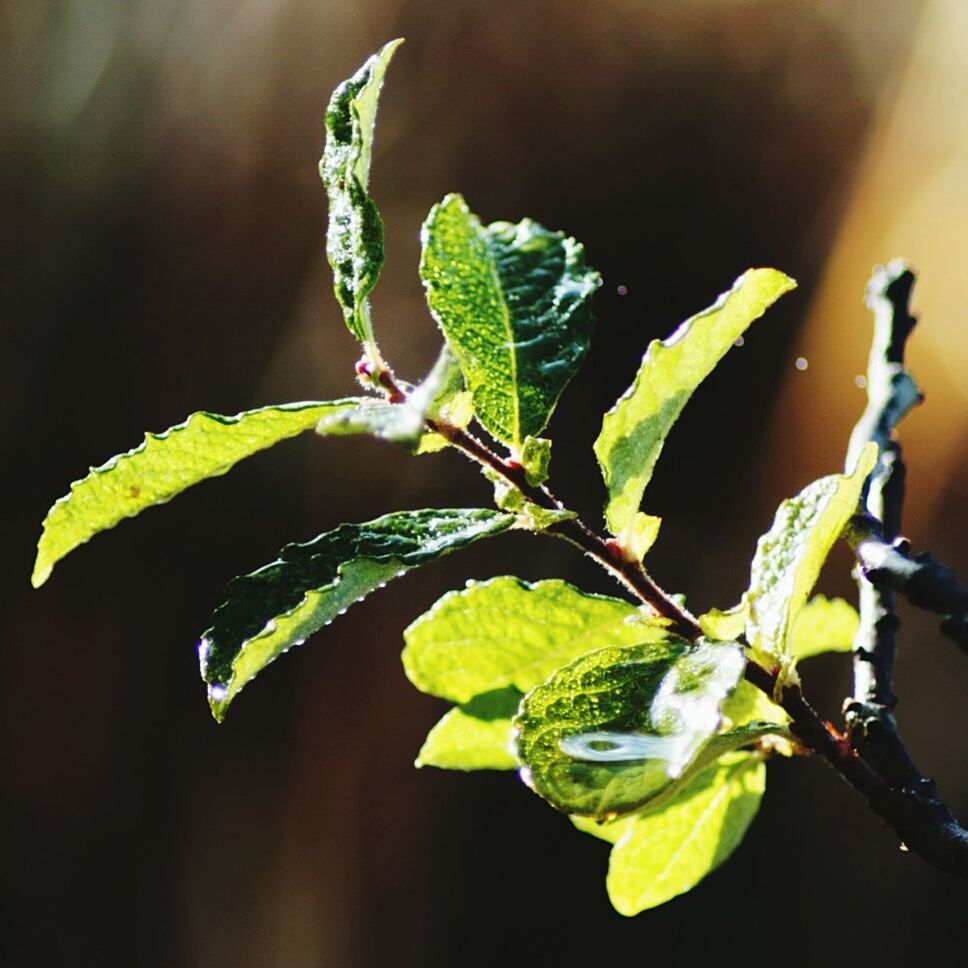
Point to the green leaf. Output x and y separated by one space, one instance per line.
354 237
205 445
474 736
513 303
507 632
824 625
748 705
638 536
281 604
405 422
536 458
661 854
635 429
724 626
612 730
790 555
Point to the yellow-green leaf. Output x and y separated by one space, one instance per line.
663 853
635 429
790 555
507 632
205 445
824 625
474 736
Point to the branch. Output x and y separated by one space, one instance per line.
606 553
891 393
872 756
925 583
609 556
925 825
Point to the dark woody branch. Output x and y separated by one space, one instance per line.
900 793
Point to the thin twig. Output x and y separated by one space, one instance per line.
608 555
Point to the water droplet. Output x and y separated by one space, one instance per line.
622 290
204 647
801 363
217 692
739 341
860 380
603 747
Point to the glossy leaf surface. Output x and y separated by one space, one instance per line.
354 237
634 430
278 606
610 731
513 303
205 445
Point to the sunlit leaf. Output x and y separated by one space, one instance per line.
663 853
281 604
205 445
613 729
513 303
506 632
354 238
824 625
790 555
635 429
474 736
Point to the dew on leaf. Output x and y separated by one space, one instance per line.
607 747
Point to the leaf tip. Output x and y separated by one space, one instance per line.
218 701
41 572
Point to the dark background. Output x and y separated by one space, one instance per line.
163 253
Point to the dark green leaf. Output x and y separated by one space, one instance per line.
205 445
281 604
354 238
612 730
513 303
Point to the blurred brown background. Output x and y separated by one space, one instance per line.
163 254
